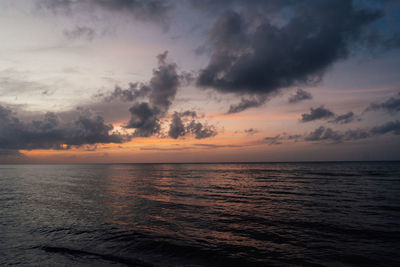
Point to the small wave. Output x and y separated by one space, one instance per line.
83 253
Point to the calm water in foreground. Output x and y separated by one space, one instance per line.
201 214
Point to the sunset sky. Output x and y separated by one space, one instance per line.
97 81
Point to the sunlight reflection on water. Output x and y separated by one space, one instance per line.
200 214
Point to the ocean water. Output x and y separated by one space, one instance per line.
273 214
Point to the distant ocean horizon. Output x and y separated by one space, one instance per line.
197 162
201 214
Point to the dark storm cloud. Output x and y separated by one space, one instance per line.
253 55
317 114
147 10
80 32
161 91
50 133
144 119
156 98
345 118
179 128
164 84
200 130
214 6
299 96
176 128
392 105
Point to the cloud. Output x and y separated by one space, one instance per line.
145 119
164 148
299 96
14 82
208 146
144 10
276 140
322 134
164 83
246 103
161 91
327 134
392 105
8 153
201 131
389 127
251 131
179 128
345 118
11 156
317 114
80 32
280 138
156 98
253 55
134 92
176 128
50 133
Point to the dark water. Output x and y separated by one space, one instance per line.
282 214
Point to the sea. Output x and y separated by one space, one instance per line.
229 214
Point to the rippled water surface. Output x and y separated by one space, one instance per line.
201 214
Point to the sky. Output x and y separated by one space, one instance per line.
133 81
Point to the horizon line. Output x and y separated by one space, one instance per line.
199 162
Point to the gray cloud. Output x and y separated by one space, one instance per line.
179 128
276 140
246 103
252 55
144 119
392 105
208 146
299 96
328 135
50 133
161 91
164 84
317 114
164 148
9 153
176 128
345 118
134 92
389 127
280 138
14 82
251 131
145 10
324 134
80 32
200 130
